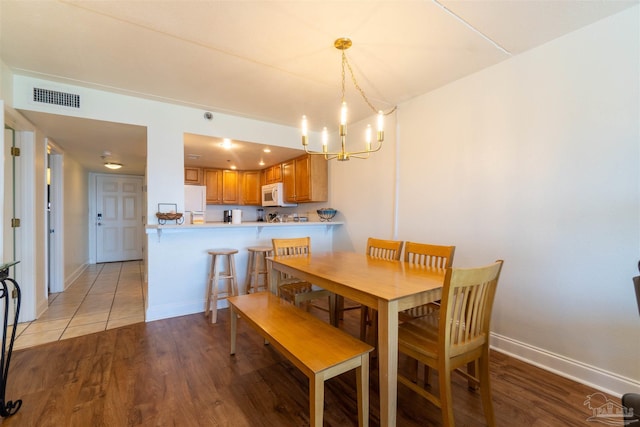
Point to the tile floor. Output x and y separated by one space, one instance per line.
105 296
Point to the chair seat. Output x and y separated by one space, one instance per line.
289 290
420 311
420 334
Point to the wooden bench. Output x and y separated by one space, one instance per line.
318 349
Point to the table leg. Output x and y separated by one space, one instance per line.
234 326
273 278
388 361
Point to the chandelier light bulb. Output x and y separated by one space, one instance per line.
343 114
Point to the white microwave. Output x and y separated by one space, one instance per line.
273 195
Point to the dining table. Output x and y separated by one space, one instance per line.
387 286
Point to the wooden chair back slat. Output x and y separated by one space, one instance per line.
429 255
384 249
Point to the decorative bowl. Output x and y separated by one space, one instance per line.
326 214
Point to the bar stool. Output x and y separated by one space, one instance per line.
225 269
256 267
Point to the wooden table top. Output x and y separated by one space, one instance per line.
386 280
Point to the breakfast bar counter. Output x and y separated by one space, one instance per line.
177 280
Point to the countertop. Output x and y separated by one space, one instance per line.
173 226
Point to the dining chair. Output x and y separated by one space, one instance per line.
457 335
427 255
381 249
294 289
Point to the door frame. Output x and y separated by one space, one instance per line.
25 201
55 247
93 228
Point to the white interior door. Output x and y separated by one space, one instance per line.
119 227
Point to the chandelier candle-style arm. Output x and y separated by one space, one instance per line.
344 44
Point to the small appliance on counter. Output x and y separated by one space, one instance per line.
197 217
260 215
236 216
228 215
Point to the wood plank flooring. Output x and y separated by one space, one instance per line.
178 372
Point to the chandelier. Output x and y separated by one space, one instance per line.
343 44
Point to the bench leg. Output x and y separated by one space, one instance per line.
316 400
234 326
362 380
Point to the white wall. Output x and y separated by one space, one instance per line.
363 191
536 161
165 125
76 219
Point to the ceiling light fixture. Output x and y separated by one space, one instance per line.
343 44
112 165
226 143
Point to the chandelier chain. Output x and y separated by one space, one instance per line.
358 88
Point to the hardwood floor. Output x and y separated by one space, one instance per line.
178 372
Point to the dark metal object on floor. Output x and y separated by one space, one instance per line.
8 408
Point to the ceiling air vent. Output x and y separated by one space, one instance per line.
57 98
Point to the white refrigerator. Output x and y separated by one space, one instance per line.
195 203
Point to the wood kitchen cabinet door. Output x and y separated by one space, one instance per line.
230 187
213 181
289 181
305 179
273 174
193 176
251 185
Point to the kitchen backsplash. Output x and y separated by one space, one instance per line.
215 213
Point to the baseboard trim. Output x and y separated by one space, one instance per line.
175 310
167 311
575 370
74 275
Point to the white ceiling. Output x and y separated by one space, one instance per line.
268 60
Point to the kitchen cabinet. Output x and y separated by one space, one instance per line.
251 185
230 187
273 174
213 181
193 176
305 179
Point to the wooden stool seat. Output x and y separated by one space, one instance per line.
257 267
224 270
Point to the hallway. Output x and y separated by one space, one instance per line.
105 296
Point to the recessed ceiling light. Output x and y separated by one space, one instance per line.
226 143
267 150
113 165
233 167
261 163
